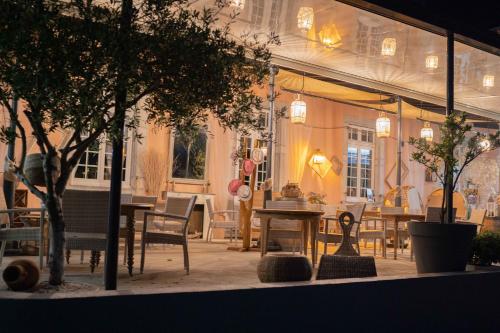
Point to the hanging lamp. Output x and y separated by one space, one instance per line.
305 18
426 132
298 109
238 4
388 47
431 62
484 144
383 125
488 81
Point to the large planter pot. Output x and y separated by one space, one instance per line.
441 247
33 168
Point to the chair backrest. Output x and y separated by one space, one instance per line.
86 211
181 207
210 209
357 211
433 214
477 216
145 199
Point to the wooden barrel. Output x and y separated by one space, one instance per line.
33 168
21 275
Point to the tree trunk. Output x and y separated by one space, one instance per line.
57 240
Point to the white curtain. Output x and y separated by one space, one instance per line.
299 137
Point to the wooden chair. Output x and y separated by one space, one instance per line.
86 217
477 217
379 232
327 237
228 223
22 234
177 210
433 214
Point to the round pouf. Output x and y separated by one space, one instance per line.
284 268
21 275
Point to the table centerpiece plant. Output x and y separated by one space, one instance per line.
445 245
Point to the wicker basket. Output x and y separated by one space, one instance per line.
343 267
284 268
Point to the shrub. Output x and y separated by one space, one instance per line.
486 249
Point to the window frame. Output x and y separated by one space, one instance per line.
359 145
171 161
100 181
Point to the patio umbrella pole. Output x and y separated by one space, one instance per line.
398 160
8 186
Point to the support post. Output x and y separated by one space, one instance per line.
270 120
450 86
398 159
111 267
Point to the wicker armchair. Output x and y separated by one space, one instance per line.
327 237
231 223
86 218
22 234
177 210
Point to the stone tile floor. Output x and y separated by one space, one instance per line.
212 265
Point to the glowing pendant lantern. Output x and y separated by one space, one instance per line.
298 111
388 47
484 144
383 126
431 62
426 132
305 18
330 36
237 3
488 81
319 163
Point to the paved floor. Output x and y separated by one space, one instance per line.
212 265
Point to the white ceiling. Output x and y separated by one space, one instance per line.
357 58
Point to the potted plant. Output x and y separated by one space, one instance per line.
445 246
316 200
486 249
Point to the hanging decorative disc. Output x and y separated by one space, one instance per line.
244 193
248 166
257 156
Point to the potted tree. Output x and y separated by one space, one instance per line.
445 245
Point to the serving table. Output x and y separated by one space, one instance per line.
128 210
310 222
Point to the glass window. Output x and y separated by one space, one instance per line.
359 178
190 156
95 163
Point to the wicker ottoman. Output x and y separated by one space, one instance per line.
343 267
284 268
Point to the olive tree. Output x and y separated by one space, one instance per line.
79 66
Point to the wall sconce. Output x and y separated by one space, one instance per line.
383 126
319 163
388 47
488 81
329 36
431 62
238 4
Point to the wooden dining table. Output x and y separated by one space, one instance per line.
128 210
396 218
310 223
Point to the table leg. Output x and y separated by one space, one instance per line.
130 242
396 237
314 230
264 238
305 239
